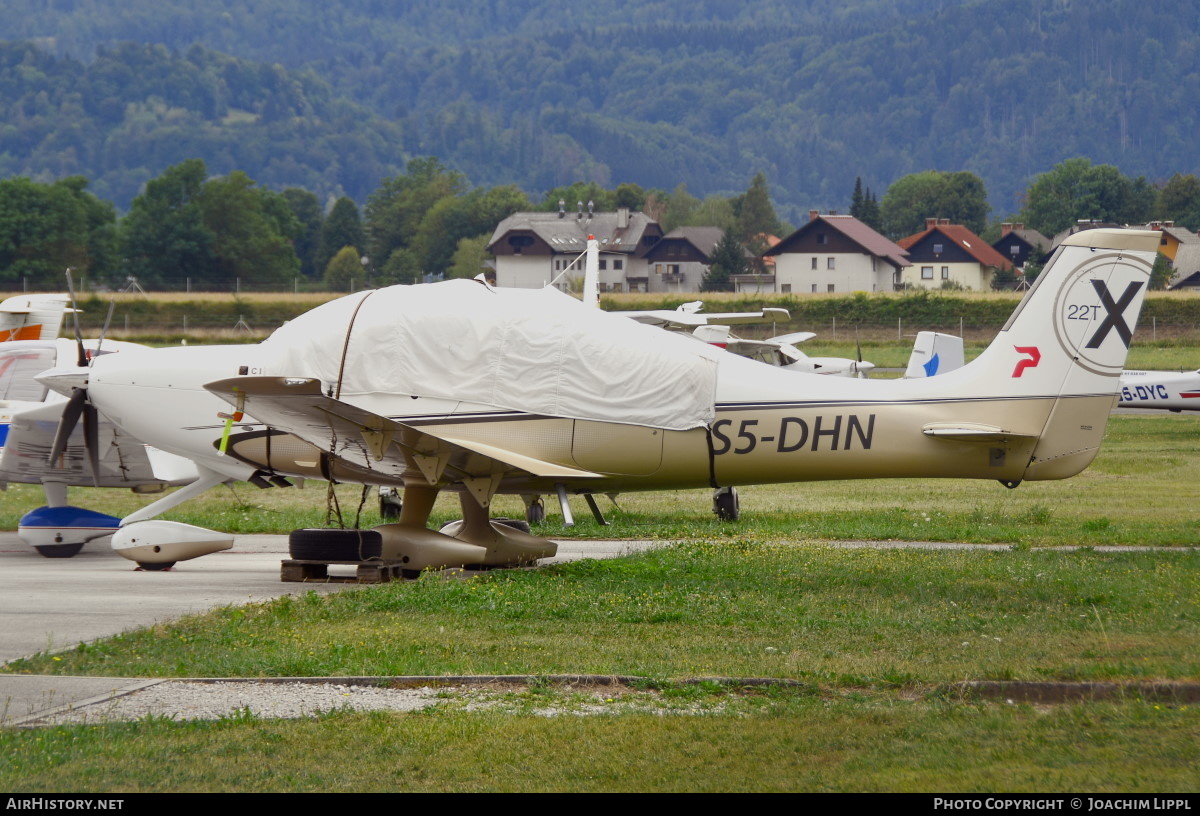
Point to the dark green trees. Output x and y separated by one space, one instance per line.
1076 189
212 233
45 228
729 259
959 197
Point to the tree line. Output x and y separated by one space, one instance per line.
332 97
188 228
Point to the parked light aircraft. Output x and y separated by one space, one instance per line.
457 386
96 454
1171 390
714 328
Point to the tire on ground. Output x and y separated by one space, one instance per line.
58 550
726 504
316 544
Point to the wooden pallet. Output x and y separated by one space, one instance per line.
366 572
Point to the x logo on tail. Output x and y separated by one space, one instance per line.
1115 319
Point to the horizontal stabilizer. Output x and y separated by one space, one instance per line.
971 432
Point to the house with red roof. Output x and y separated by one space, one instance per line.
836 253
950 253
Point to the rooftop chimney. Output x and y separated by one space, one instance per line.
622 217
562 208
945 222
1005 229
812 214
579 214
930 223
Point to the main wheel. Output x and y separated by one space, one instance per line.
319 544
59 550
155 566
535 511
390 503
516 524
725 504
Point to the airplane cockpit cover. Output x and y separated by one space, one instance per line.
533 350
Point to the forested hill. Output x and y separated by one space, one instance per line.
658 93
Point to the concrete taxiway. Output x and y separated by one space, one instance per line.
49 605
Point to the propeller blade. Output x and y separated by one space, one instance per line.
91 439
66 424
112 304
858 346
82 355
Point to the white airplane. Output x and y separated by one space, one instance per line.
95 454
713 328
461 387
32 317
1171 390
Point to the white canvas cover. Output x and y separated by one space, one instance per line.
537 351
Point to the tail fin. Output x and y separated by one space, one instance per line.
1070 335
934 353
32 317
1066 345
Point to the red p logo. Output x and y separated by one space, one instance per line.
1035 357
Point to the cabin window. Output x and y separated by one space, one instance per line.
618 264
814 263
945 273
831 263
785 288
926 273
604 264
937 249
814 288
822 238
830 288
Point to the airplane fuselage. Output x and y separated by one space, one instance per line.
764 430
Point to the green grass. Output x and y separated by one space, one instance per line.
874 637
862 618
1143 484
782 742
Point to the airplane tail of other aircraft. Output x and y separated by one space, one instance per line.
1064 348
32 317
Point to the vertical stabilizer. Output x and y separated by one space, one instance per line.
32 317
1066 344
1070 335
934 353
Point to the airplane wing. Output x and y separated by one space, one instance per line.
376 443
689 319
124 461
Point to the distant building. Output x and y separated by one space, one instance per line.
836 253
1019 245
950 253
679 262
533 249
1181 247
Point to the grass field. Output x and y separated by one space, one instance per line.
873 642
876 641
